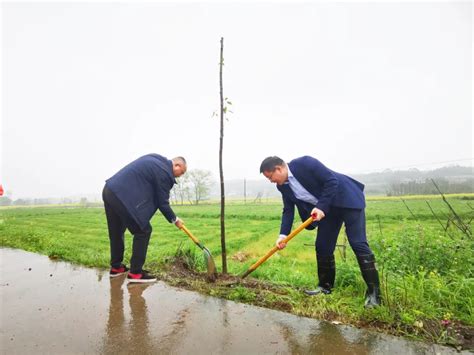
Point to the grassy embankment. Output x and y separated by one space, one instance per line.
426 272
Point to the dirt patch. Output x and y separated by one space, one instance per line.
178 268
466 335
282 306
331 316
458 335
240 256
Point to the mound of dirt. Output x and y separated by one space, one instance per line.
240 256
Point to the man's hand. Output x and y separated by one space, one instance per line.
279 243
178 223
317 214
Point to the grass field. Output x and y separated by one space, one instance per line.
426 271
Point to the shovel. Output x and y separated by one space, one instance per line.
275 248
211 266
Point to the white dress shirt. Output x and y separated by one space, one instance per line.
300 192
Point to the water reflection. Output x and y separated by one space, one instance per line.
173 338
116 321
56 308
139 325
308 337
324 338
123 337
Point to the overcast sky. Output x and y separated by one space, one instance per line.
88 87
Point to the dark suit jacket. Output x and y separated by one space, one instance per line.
143 186
329 187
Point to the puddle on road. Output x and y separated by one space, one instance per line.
59 308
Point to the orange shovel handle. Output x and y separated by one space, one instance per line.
190 235
275 248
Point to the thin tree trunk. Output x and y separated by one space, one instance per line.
221 172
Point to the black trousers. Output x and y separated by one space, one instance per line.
329 227
118 220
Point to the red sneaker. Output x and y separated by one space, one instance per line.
117 271
141 278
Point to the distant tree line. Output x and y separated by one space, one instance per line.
198 185
192 187
450 173
427 187
7 201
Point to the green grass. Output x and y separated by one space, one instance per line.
427 272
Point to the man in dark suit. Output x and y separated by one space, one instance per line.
131 198
331 199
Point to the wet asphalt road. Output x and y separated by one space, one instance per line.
50 307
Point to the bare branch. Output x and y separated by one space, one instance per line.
409 210
460 224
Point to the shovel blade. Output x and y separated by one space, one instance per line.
211 266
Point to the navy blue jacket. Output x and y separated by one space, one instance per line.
329 187
143 186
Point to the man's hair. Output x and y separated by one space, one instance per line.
270 163
181 159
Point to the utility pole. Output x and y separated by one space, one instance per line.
245 191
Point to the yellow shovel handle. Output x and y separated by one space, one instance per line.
275 248
190 235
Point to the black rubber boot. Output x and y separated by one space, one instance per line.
371 278
326 275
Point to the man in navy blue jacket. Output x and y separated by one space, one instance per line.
331 199
131 198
